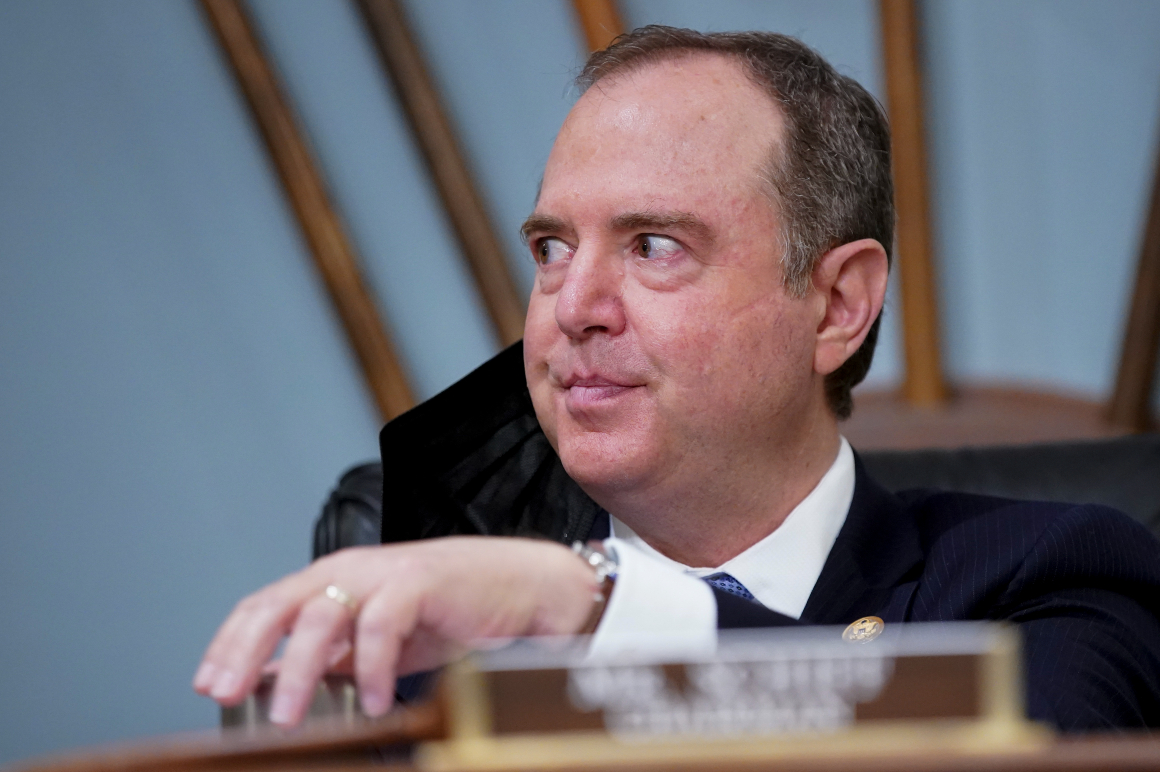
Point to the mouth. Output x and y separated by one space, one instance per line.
592 391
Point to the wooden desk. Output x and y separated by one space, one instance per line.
326 744
929 697
391 743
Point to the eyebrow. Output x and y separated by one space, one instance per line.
541 224
628 221
664 221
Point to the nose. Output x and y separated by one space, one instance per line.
590 300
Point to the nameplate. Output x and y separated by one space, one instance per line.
956 681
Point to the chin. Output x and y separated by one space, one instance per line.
603 462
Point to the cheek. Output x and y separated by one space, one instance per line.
739 356
539 326
540 332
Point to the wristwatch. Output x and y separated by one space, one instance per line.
604 563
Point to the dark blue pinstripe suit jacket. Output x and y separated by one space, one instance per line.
1081 581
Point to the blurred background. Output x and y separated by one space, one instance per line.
178 388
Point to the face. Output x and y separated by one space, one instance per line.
661 349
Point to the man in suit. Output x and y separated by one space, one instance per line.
712 239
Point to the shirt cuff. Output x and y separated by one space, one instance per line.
654 611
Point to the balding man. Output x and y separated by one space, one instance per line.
712 240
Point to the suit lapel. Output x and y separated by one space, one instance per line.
871 568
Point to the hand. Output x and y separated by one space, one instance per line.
418 604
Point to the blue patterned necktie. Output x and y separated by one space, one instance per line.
729 584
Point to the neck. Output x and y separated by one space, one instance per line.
705 519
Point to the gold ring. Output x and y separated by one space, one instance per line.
336 593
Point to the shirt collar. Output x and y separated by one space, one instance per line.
781 569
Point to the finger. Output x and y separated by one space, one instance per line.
222 674
387 618
232 663
319 624
339 661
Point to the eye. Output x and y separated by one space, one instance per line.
655 247
550 250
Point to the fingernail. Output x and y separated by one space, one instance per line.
225 685
280 709
374 704
204 677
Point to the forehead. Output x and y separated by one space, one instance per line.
684 128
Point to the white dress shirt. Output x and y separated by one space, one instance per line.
660 603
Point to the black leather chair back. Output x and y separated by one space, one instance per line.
1123 473
353 515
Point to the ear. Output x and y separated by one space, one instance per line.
849 285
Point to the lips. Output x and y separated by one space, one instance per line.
583 392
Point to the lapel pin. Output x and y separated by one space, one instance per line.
864 629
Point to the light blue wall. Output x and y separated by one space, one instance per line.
505 70
177 396
1043 118
379 183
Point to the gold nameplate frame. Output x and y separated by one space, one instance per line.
761 695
